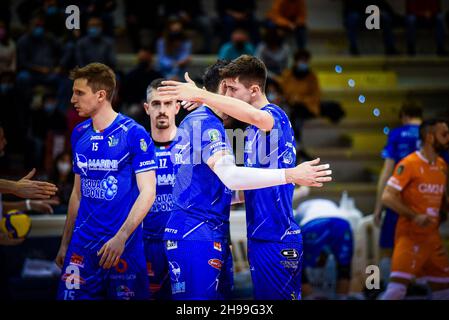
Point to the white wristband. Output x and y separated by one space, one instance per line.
28 204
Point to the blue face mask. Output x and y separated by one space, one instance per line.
93 31
271 96
302 66
49 107
52 10
38 31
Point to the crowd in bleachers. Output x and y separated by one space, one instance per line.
37 53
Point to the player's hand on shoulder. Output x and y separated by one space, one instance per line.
309 173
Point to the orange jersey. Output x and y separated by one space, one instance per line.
422 186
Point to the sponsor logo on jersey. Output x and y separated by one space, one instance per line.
146 163
171 245
287 158
77 260
290 254
217 246
104 189
165 179
85 164
214 135
143 145
400 170
431 188
175 274
169 230
288 233
112 142
163 203
96 138
215 263
121 266
124 292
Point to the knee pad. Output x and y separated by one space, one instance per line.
395 291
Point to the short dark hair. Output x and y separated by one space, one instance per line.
99 77
156 83
411 109
211 77
427 126
249 69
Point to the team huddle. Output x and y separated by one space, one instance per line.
149 214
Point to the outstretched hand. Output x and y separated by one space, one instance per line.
27 188
309 173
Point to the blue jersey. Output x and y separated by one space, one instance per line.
154 223
107 163
269 213
401 142
201 201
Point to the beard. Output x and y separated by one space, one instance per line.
439 147
162 124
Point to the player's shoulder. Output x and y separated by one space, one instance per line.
128 124
274 109
81 128
410 160
441 163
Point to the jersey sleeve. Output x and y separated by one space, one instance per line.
78 161
388 151
213 140
277 117
141 150
403 174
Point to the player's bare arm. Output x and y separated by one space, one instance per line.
113 249
391 198
233 107
27 188
72 213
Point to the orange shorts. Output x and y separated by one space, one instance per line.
424 258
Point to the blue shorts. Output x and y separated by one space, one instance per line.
157 267
327 235
83 279
196 268
275 269
388 229
227 275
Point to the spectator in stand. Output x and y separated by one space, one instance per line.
235 14
273 51
95 47
290 15
38 58
238 45
54 17
137 79
425 14
103 9
142 21
353 17
174 51
7 50
302 92
192 16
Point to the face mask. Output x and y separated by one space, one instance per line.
271 96
52 10
50 107
2 33
302 66
64 167
38 31
93 31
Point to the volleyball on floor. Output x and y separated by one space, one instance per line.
16 224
